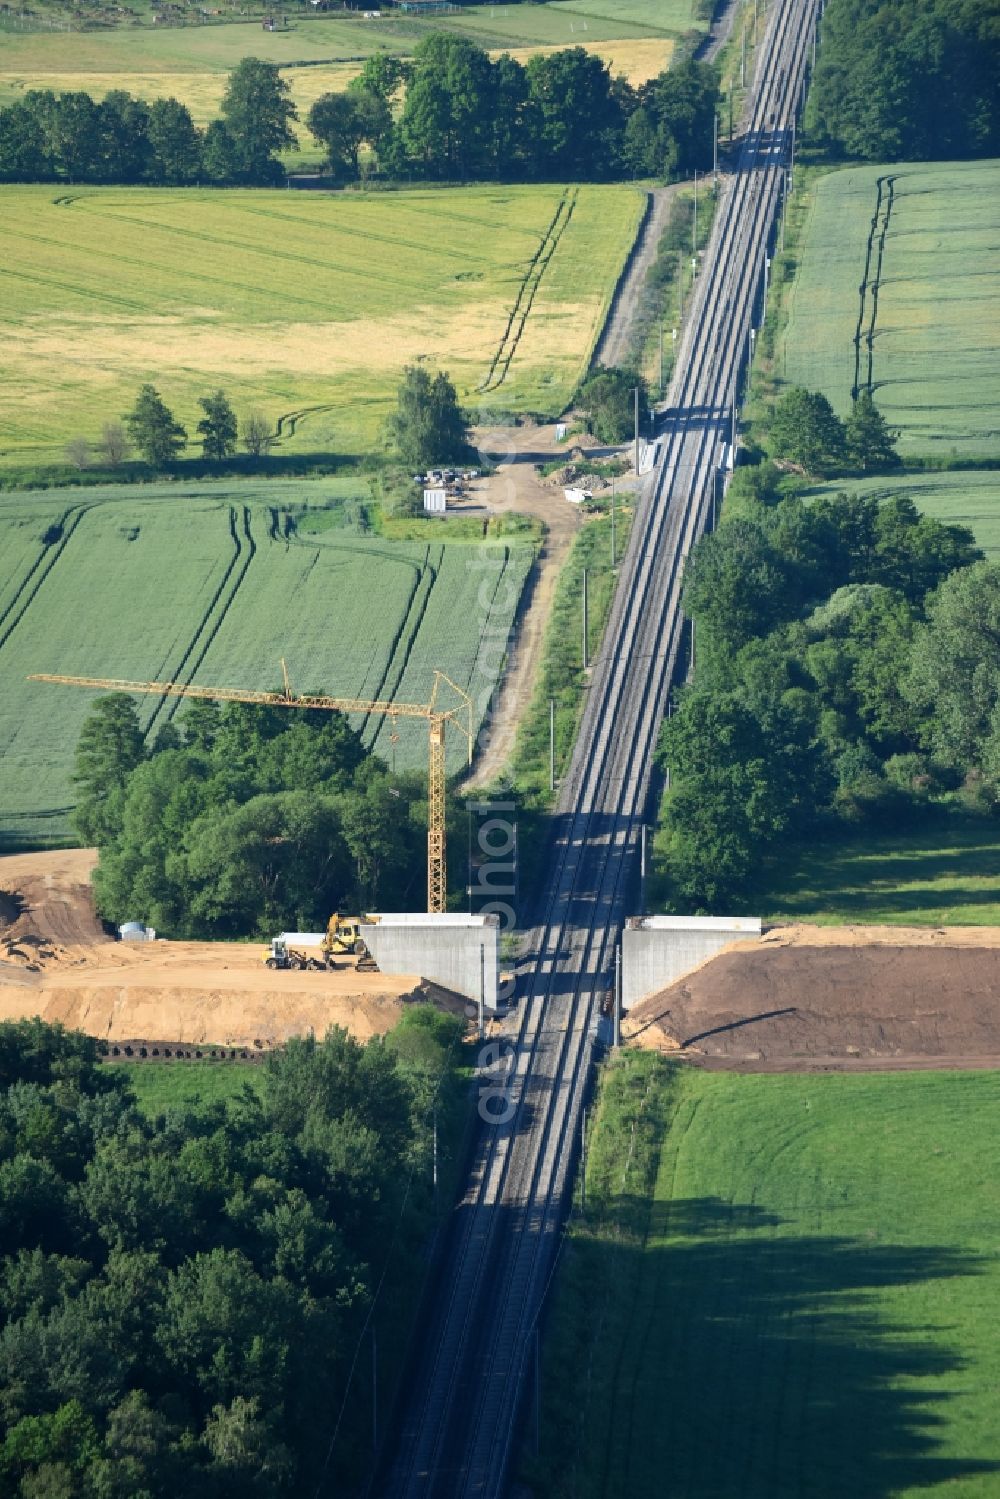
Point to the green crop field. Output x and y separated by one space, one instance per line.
959 498
199 583
305 305
945 875
935 326
784 1287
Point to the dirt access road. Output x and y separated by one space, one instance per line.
56 961
843 999
516 488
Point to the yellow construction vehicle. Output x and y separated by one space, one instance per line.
344 935
311 950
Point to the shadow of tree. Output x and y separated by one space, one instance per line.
730 1357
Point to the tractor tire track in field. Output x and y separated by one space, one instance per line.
251 552
199 643
527 291
49 556
885 196
288 422
404 639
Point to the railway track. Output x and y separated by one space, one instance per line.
457 1425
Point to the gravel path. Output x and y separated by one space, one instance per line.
613 346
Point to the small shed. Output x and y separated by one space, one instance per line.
435 501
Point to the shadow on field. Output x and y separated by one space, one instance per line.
733 1362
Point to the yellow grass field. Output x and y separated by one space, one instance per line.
304 305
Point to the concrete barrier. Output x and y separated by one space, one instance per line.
459 952
657 950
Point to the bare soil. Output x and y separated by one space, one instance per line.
56 961
516 488
817 999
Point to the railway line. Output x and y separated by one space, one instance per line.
458 1424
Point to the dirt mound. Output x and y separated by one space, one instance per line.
835 1006
46 897
56 961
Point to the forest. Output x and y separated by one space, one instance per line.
182 1297
846 671
915 80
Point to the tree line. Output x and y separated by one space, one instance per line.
70 137
915 80
244 819
449 113
562 115
846 671
181 1298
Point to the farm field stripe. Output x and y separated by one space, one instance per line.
57 552
39 559
382 691
237 585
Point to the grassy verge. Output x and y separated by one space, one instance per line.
778 1288
561 677
667 286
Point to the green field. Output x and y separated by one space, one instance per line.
958 498
945 875
935 351
199 583
179 1085
305 305
784 1287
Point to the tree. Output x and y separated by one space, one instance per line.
738 782
152 428
111 745
579 118
805 430
869 443
174 144
383 75
343 122
446 124
114 444
78 452
123 124
954 677
427 426
23 156
737 585
256 434
257 112
218 426
607 403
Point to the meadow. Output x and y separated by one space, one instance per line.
202 583
180 1085
935 324
782 1286
943 875
958 498
303 305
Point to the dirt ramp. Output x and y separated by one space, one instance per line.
837 1006
47 897
230 1017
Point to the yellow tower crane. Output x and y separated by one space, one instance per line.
438 719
